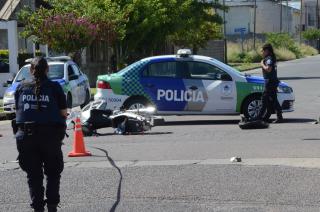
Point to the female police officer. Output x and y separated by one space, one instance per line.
269 97
40 117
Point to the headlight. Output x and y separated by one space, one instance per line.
285 89
9 95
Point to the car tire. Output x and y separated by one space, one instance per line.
252 106
135 104
87 100
69 101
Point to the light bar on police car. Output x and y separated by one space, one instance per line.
184 52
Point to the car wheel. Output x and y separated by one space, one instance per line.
87 100
69 101
252 107
135 104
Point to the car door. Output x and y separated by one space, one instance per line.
73 83
81 84
161 83
218 86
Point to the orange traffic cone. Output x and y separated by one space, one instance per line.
79 149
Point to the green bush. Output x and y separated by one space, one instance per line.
311 34
283 54
307 50
233 51
253 57
22 56
284 40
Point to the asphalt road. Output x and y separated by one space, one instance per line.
184 165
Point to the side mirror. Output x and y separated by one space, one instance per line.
73 77
9 81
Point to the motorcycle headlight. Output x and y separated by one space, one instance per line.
9 95
285 89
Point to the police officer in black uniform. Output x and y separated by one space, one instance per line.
269 97
40 120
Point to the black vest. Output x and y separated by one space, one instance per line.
271 78
27 104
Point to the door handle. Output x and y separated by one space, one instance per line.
193 87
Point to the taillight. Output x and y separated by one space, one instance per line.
103 85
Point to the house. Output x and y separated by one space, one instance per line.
268 13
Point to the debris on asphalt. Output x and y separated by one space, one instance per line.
252 124
235 159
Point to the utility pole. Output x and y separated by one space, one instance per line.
318 23
300 31
254 23
280 16
225 33
287 9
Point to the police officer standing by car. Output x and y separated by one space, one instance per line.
269 97
40 128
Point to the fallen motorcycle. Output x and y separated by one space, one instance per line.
95 116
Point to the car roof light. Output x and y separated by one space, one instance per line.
184 52
59 58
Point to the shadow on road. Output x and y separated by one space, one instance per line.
298 120
229 122
146 133
297 78
201 122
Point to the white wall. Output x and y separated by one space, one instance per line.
238 17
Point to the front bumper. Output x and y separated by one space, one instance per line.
9 105
286 101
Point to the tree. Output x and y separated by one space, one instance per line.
153 23
71 25
135 28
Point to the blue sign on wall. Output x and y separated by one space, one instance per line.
240 29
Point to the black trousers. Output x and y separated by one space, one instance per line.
270 102
40 153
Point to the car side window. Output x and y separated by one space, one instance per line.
76 70
161 69
200 70
70 71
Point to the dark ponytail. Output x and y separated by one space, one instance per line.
39 67
269 47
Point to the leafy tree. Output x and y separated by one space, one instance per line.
153 23
71 25
136 28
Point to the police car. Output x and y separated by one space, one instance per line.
62 70
185 84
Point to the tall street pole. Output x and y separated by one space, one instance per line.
300 31
318 23
280 16
254 23
225 33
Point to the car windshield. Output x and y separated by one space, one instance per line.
55 72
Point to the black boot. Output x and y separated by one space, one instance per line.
279 118
52 207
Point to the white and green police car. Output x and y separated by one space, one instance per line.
185 84
61 69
